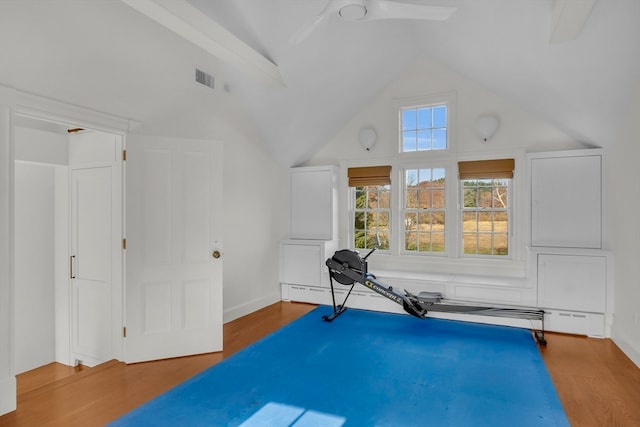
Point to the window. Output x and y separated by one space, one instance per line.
371 196
485 216
424 210
371 216
423 128
485 190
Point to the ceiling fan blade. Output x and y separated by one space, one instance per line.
384 9
305 31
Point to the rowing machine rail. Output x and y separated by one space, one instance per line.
348 268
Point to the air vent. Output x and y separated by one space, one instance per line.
204 78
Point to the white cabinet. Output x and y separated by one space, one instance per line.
572 273
314 195
303 262
572 282
566 199
575 290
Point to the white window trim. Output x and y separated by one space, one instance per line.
510 235
444 98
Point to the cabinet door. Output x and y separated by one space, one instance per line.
312 203
566 197
302 264
569 282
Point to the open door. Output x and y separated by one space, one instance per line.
174 246
95 264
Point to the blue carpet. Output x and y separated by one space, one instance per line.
368 369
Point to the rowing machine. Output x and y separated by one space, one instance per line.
348 268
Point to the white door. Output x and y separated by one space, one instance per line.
174 243
95 264
90 266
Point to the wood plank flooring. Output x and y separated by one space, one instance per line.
597 384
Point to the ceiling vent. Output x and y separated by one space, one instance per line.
204 78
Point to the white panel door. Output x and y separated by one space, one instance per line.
174 243
93 238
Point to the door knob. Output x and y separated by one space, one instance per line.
216 254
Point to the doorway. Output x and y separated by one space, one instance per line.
68 264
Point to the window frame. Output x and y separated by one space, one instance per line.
353 210
447 99
508 210
403 210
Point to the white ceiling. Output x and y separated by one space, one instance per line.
107 56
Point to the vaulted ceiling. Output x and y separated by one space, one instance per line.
293 89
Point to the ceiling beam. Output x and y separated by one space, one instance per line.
567 19
185 20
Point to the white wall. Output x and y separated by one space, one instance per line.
34 265
426 76
37 145
7 377
624 193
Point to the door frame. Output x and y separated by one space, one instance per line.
17 103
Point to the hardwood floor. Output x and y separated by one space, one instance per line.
597 384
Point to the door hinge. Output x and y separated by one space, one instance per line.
124 155
124 243
124 332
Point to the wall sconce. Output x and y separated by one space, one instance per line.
486 126
367 138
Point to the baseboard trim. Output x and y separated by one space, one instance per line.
248 307
8 396
628 347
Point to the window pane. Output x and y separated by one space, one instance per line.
424 140
437 221
469 221
409 119
437 242
439 139
438 177
384 197
383 220
424 242
412 198
485 197
440 116
500 244
424 221
411 221
361 198
411 177
410 241
500 199
470 244
424 128
424 118
437 198
372 199
409 140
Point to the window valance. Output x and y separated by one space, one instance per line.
369 175
480 169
